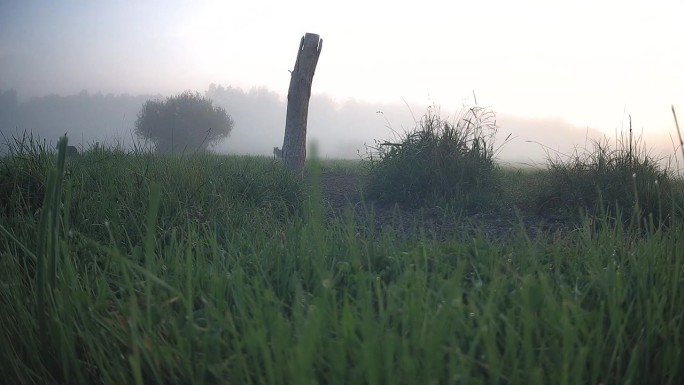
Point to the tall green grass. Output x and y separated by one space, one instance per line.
126 283
623 182
440 162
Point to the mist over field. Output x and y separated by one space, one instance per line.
556 74
341 128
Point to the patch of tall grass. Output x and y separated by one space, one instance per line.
23 172
439 162
624 183
145 293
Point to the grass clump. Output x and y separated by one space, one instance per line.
439 162
624 183
23 172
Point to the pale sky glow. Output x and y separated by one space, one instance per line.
589 63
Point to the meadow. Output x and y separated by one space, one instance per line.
124 267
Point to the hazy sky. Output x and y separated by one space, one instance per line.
589 63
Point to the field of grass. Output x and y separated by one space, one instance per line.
130 268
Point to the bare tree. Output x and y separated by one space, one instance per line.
299 93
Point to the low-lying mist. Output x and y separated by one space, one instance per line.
341 128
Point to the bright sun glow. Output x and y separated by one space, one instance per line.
589 63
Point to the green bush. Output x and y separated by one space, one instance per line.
624 183
439 162
187 122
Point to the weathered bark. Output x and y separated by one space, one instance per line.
299 93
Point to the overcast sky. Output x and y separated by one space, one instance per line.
588 63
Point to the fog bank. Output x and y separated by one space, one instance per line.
341 128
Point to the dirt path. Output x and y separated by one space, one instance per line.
342 189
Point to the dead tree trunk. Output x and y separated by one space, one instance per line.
298 95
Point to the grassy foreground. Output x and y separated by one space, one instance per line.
218 270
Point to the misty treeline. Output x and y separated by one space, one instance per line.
86 118
339 127
110 119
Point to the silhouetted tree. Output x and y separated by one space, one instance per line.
186 122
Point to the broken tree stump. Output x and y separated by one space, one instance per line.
298 95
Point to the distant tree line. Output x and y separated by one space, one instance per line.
187 121
340 128
86 118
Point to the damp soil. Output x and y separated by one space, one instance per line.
342 192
